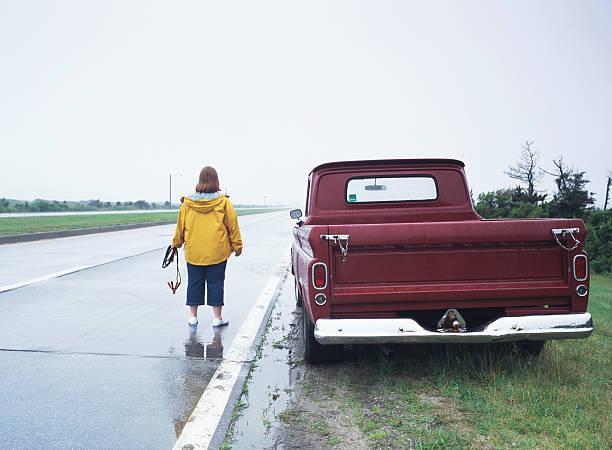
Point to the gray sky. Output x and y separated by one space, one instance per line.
104 99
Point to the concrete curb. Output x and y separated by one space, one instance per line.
28 237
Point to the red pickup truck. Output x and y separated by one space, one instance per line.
392 251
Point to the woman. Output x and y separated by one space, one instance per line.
208 226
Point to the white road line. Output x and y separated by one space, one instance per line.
203 422
21 284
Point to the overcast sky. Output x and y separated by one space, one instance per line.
103 99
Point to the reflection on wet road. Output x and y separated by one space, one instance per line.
194 348
104 358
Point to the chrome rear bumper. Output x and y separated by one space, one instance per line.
404 331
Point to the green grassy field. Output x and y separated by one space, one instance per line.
20 225
479 397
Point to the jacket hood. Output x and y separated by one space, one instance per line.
204 206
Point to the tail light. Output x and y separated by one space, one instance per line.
581 268
319 275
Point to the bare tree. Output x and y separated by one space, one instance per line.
527 171
572 198
562 173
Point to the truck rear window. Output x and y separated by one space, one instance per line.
391 189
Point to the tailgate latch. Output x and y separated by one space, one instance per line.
563 233
341 240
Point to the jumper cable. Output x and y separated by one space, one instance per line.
171 253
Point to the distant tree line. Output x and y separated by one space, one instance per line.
38 205
14 206
570 199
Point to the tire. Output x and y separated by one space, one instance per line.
529 348
315 353
299 301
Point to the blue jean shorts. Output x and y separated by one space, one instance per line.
201 278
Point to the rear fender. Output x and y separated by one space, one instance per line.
312 250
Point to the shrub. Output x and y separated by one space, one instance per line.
599 240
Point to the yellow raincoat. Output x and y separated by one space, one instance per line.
209 229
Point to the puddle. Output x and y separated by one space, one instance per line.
195 348
268 391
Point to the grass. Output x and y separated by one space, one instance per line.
478 397
21 225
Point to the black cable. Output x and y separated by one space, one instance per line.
172 252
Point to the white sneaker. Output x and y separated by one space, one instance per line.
220 322
192 321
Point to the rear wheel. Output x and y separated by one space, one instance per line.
529 348
315 353
299 301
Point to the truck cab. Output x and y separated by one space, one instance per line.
392 251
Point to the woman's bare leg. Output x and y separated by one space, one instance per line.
217 312
194 310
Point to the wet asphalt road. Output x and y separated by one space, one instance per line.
103 357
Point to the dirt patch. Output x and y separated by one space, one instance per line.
315 418
434 400
450 414
447 410
373 401
319 423
318 416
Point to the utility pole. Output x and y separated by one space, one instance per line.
607 193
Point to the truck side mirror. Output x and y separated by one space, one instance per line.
295 213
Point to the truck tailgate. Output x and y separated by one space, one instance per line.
469 264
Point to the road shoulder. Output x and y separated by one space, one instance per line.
435 396
284 403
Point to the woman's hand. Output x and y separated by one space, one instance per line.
238 252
